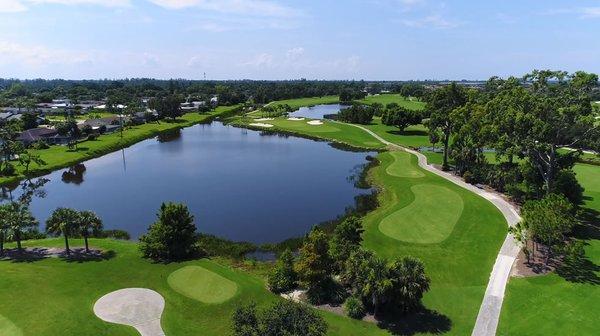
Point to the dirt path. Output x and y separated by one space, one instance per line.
489 312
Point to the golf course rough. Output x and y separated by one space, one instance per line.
403 167
429 219
7 328
200 284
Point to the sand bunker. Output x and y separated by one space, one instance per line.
140 308
261 125
264 119
315 122
295 119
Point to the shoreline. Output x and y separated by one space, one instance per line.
128 140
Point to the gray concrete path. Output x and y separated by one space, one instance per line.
489 312
140 308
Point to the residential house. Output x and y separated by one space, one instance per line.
110 124
48 135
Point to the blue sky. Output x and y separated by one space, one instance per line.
269 39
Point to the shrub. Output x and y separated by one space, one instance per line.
172 236
283 277
40 144
354 308
215 246
8 169
115 234
468 177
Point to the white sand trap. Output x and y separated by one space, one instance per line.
140 308
315 122
295 119
264 119
261 125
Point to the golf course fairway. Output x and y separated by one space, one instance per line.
430 218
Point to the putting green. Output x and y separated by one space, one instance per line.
203 285
7 328
429 219
403 167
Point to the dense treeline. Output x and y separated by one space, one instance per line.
531 126
26 92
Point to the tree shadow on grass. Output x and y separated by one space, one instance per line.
78 149
421 321
579 268
80 256
409 132
28 255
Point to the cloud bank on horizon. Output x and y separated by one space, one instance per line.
290 39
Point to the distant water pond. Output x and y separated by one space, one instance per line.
240 184
318 111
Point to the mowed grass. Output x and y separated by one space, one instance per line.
198 283
333 131
459 266
402 166
57 157
388 98
430 218
54 296
302 102
551 305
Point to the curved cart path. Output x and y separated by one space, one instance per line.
489 312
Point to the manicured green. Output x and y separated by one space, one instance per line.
551 305
312 101
330 130
57 157
201 284
402 166
460 265
430 218
8 328
410 103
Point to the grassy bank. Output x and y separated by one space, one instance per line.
57 157
304 102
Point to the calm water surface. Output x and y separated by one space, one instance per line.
239 184
318 111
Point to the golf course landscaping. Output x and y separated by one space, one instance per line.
553 304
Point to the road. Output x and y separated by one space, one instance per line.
489 312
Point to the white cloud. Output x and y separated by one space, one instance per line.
590 12
11 6
35 55
431 21
260 60
294 54
248 7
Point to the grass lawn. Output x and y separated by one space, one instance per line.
551 305
333 131
55 296
412 104
402 166
57 157
312 101
460 264
198 283
85 116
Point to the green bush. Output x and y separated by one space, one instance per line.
354 308
8 169
283 277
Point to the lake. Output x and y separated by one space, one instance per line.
240 184
317 111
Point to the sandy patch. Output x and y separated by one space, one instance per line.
261 125
140 308
264 119
295 119
315 122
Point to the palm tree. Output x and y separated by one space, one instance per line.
63 221
377 283
89 225
5 217
409 282
19 220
